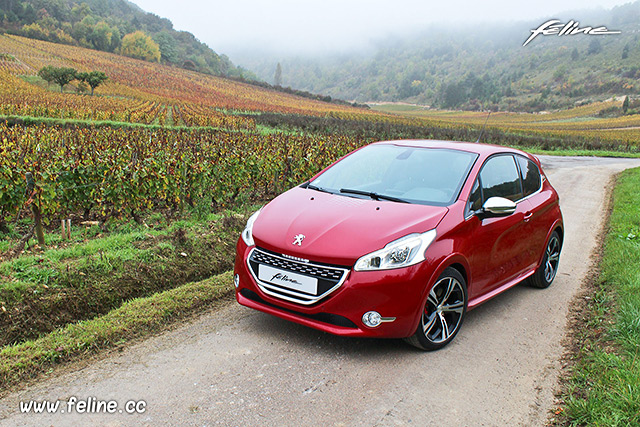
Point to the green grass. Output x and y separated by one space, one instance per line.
267 130
53 121
604 386
582 153
137 318
95 272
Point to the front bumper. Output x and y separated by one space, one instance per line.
398 294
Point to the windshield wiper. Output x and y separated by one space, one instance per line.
315 187
373 195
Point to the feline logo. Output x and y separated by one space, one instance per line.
284 278
571 28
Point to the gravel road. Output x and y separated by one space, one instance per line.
240 367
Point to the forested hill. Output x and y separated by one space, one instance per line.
105 24
478 66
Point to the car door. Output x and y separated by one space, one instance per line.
541 218
499 251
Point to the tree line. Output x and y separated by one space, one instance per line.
105 24
62 76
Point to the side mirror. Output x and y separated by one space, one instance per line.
498 206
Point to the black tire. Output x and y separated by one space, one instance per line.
443 312
544 275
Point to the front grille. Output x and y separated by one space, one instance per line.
328 277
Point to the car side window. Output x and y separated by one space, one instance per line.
500 178
530 175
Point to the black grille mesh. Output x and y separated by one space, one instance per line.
329 278
316 271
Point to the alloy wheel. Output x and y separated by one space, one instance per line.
553 258
444 310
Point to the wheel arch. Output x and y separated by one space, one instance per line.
462 270
558 228
455 260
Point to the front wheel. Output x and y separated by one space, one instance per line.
544 275
443 312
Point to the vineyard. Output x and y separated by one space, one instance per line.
109 172
131 79
583 122
209 142
203 147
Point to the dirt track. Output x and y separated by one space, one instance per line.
240 367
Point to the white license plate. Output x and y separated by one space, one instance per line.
287 279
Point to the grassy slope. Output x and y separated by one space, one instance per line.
136 318
96 271
102 288
604 388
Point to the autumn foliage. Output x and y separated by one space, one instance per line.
209 147
112 172
140 46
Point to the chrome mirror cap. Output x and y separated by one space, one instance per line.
499 206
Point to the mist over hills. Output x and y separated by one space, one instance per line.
456 66
476 66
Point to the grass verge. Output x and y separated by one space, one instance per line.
603 388
136 318
581 153
95 272
79 123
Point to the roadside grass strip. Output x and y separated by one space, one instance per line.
580 153
90 274
136 318
604 385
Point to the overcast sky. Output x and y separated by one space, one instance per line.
301 26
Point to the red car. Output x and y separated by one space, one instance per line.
400 239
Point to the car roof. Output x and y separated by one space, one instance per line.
484 150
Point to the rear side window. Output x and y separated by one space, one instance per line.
500 178
530 175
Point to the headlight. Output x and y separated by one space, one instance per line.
406 251
247 233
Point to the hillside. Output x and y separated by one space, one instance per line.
146 93
102 25
136 91
483 67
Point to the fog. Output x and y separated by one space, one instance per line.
285 27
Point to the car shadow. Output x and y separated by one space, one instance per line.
301 337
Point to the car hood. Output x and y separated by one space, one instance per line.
337 229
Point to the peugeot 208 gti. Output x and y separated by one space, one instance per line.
399 239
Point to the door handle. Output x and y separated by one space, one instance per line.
528 216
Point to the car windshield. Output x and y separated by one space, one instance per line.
430 176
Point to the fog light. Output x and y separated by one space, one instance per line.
236 280
372 319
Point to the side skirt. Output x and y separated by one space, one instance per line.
486 297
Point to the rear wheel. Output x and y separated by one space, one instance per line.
544 275
443 312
